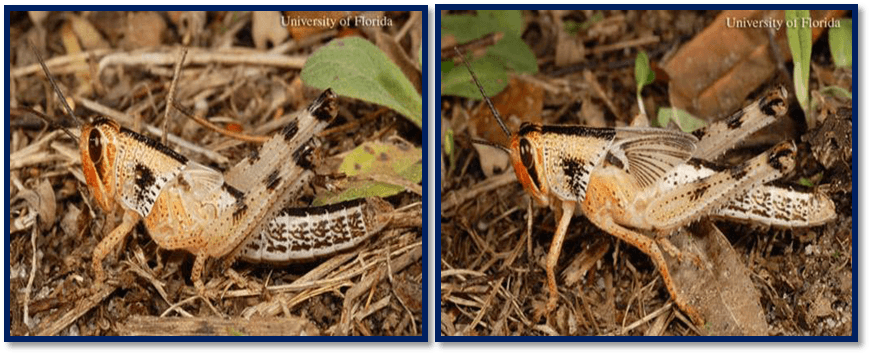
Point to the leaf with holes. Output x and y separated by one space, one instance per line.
381 168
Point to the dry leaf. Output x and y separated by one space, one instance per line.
42 201
722 291
713 74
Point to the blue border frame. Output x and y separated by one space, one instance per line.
438 311
425 222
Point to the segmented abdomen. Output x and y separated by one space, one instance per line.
305 233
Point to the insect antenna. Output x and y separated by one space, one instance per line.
60 94
490 144
487 99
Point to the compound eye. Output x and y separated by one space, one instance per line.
527 157
526 154
95 146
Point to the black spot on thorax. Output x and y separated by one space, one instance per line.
578 175
143 179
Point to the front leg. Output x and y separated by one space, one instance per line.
556 246
109 243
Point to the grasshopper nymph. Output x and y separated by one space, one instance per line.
243 213
643 184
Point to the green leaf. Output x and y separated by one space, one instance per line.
509 21
373 161
447 66
799 38
490 72
836 91
643 74
449 146
805 182
515 54
466 27
684 120
354 67
841 43
509 53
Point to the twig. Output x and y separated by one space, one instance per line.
27 320
177 305
198 56
484 308
383 302
154 326
625 44
457 198
415 17
213 127
641 321
400 263
80 309
170 99
449 51
58 63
